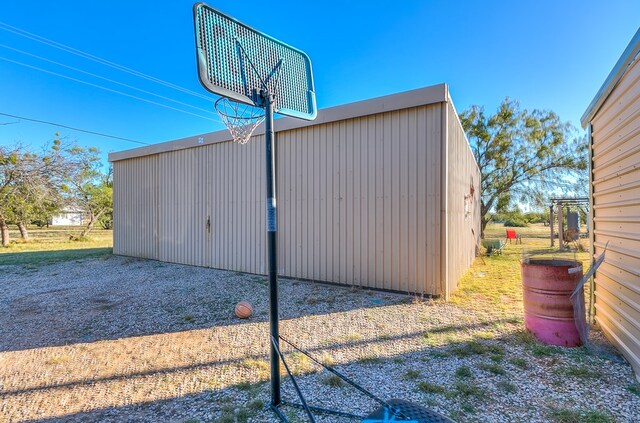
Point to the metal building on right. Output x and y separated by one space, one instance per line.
613 122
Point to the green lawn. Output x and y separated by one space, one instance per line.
55 244
494 283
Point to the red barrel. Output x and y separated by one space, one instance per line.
547 286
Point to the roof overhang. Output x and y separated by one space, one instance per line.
629 55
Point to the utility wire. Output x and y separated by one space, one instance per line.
104 78
72 128
106 88
63 47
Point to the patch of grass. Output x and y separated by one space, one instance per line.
398 360
256 405
507 386
327 359
567 415
59 359
496 358
226 418
370 359
493 368
467 389
188 318
468 408
334 381
300 364
192 421
53 245
582 372
634 389
431 388
485 335
499 290
464 372
259 365
541 350
411 374
243 415
519 362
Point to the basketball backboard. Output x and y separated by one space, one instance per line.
238 62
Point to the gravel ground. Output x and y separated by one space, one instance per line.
123 339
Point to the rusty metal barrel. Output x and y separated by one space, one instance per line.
548 313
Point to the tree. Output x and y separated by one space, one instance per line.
30 185
523 155
88 188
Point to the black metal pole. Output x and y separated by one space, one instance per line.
271 250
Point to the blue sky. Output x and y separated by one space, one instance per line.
546 54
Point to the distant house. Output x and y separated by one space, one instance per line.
613 122
68 217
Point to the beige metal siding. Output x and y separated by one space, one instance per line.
463 201
616 209
135 198
359 201
221 184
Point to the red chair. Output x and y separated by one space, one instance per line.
512 235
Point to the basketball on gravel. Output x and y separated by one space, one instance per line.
244 310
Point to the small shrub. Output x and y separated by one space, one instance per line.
431 388
411 375
507 386
468 408
493 368
515 222
256 405
567 415
334 381
582 372
464 372
470 390
541 350
519 362
369 359
634 389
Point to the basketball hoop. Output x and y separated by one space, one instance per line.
241 119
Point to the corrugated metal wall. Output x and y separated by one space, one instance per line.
616 208
359 202
463 201
135 200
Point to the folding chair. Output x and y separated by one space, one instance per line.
512 235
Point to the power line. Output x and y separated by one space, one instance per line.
72 128
106 88
104 78
63 47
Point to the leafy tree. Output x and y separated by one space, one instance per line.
523 155
88 188
30 185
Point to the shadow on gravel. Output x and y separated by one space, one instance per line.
34 259
407 375
114 297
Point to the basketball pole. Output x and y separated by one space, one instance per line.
274 317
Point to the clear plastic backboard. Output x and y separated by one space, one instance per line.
238 62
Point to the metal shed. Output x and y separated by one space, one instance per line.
382 193
613 122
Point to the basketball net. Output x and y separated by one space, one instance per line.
241 119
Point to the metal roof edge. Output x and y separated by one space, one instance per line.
404 100
627 57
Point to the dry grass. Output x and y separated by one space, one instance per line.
494 287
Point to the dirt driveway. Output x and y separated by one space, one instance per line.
122 339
